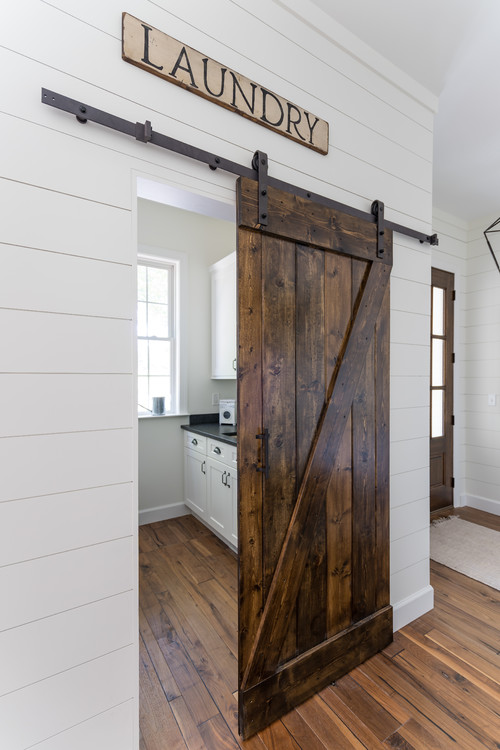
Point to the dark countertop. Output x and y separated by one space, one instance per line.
213 430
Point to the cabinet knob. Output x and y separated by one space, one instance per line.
194 441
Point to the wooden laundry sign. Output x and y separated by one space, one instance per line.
160 54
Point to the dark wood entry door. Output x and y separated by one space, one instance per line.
441 441
313 450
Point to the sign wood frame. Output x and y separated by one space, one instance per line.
156 52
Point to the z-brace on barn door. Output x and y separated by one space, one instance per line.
313 450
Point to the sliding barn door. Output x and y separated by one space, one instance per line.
313 450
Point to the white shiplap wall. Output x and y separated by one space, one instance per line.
482 374
68 503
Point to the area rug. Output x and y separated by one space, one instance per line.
467 548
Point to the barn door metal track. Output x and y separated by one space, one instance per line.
258 171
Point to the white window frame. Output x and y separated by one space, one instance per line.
163 258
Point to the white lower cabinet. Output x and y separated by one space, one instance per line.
195 482
211 484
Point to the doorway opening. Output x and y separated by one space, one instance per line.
441 390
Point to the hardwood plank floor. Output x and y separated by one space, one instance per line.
437 686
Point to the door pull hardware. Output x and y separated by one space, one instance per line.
194 441
259 163
217 450
264 436
224 481
227 480
203 467
234 364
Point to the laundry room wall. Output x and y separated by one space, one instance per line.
68 448
202 240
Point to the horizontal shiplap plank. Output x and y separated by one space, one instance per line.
410 549
488 474
410 361
408 518
54 282
410 296
408 580
57 523
409 392
35 342
475 486
411 260
409 328
409 423
65 581
483 299
483 456
55 644
39 404
46 464
112 730
40 156
409 486
483 368
486 333
62 701
483 352
483 439
408 455
84 227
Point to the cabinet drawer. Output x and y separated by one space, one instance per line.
221 451
195 442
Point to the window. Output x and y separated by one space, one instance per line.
157 339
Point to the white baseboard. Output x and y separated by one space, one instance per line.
412 607
162 513
481 503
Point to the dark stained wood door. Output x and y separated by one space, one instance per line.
313 450
441 412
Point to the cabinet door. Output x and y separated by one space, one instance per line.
219 498
195 469
223 275
232 483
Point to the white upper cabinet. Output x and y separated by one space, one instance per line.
223 288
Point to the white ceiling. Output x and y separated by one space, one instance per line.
451 47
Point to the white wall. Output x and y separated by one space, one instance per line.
482 374
68 503
203 240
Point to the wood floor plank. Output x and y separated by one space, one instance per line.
467 664
471 708
277 737
329 727
159 728
216 735
436 687
187 725
357 725
164 674
417 699
302 732
379 721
